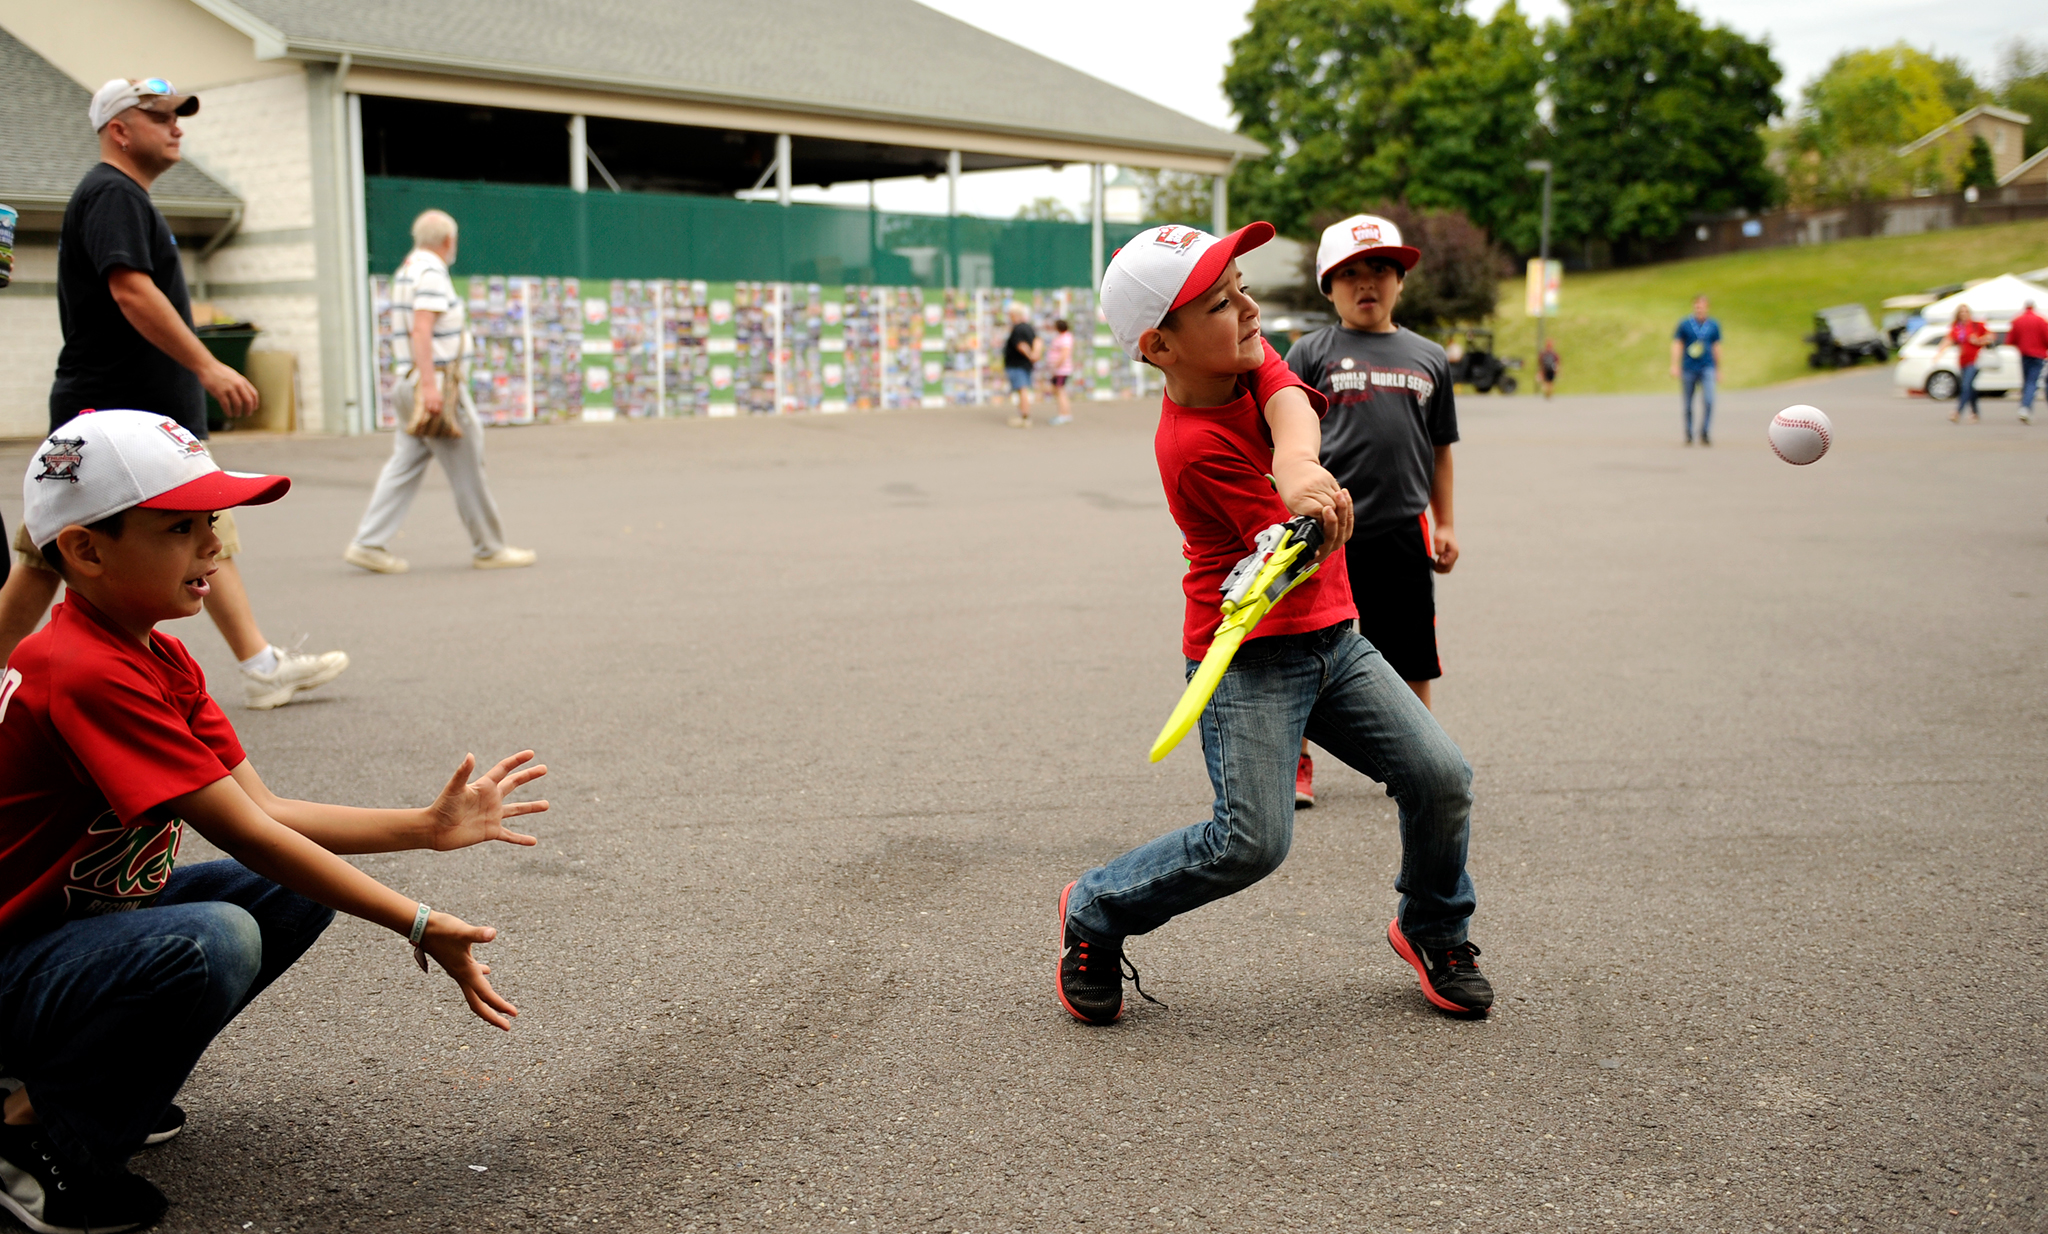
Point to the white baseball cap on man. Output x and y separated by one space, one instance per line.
104 462
149 93
1361 235
1163 268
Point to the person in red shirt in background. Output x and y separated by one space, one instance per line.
1970 337
118 966
2028 333
1237 446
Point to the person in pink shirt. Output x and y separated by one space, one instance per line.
2029 336
1061 360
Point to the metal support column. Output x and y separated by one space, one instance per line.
579 156
1095 225
782 169
1219 206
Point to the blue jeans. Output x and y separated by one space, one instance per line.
2030 376
1966 390
103 1018
1703 378
1334 688
1020 378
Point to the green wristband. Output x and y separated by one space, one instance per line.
419 925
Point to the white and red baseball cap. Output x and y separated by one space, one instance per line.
104 462
1163 268
149 93
1361 235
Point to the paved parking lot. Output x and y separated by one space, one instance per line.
834 706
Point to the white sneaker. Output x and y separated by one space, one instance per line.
294 672
506 559
375 560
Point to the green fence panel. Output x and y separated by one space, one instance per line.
558 232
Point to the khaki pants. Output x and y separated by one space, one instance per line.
27 554
461 459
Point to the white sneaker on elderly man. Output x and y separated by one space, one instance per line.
505 559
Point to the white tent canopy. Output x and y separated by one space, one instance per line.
1996 299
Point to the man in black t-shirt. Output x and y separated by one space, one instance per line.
1020 352
1387 439
129 343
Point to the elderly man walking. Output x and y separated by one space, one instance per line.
129 343
440 423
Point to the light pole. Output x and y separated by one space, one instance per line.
1543 257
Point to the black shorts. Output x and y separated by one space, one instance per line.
1395 590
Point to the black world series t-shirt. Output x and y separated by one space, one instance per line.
110 222
1021 337
1390 407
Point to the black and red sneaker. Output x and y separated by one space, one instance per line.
1091 977
1304 782
1450 976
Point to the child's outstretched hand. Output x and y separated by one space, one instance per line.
469 813
448 939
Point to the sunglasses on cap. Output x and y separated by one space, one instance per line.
153 85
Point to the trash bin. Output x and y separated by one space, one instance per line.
229 344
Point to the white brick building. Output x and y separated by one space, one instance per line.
693 97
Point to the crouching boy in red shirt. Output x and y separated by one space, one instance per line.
117 968
1237 447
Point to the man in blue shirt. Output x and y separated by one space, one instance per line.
1695 354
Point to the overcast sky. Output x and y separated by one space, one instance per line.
1185 47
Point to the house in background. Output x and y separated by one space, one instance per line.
318 118
1938 157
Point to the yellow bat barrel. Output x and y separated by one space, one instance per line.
1200 687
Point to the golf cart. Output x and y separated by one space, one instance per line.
1473 362
1843 336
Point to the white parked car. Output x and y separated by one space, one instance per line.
1929 364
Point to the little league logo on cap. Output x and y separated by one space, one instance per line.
1163 268
149 93
1361 235
105 462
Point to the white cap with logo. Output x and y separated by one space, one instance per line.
1161 269
104 462
149 93
1361 235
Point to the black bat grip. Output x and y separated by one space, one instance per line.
1306 529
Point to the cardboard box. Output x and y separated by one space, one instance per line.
275 374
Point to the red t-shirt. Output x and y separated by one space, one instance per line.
2029 333
1214 462
1961 333
97 732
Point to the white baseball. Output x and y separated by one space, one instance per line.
1800 435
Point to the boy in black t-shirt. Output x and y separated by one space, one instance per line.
1388 441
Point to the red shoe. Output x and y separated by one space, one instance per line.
1304 782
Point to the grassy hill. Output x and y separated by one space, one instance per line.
1613 329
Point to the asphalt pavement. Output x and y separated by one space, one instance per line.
834 705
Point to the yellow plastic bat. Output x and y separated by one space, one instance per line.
1253 587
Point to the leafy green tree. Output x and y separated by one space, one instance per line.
1470 125
1175 196
2023 87
1654 115
1651 115
1051 208
1325 85
1977 167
